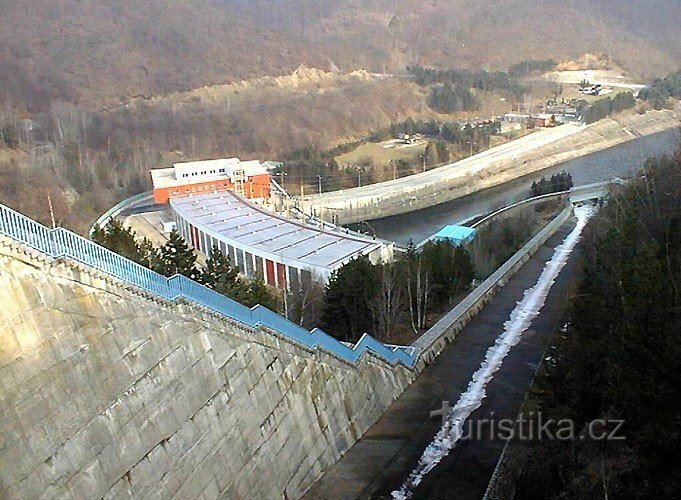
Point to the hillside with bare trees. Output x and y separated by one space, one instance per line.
95 93
100 52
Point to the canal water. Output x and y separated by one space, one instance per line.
619 161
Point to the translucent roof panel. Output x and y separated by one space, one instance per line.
225 214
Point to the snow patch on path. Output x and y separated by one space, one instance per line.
521 318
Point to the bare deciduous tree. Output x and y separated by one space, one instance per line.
388 304
418 289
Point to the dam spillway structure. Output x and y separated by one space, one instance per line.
118 382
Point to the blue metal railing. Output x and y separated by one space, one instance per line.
63 243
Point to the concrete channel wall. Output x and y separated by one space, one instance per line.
432 342
118 208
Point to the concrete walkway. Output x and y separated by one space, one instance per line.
382 459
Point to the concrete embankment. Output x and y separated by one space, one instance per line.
111 392
488 169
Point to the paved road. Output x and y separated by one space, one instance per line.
382 459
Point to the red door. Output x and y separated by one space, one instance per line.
269 265
195 237
281 275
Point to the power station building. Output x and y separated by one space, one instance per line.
285 253
247 178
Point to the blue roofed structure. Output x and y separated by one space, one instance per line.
456 234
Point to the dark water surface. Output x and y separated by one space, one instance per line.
619 161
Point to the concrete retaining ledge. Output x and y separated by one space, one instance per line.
433 341
512 209
119 207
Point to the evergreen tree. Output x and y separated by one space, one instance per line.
450 268
403 166
175 257
256 292
147 253
431 154
119 239
346 312
409 127
220 275
442 151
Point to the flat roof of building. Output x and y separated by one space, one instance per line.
250 226
250 167
454 232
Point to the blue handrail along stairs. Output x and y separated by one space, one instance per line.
58 243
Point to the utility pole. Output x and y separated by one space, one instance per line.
49 204
319 178
281 178
472 144
424 160
392 162
302 203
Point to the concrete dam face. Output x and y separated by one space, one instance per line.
108 391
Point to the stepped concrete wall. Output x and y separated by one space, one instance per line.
107 392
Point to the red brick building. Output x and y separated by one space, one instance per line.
247 178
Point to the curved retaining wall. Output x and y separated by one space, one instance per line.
119 207
511 209
460 179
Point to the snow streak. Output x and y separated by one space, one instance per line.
521 318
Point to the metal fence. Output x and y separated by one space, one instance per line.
60 242
116 210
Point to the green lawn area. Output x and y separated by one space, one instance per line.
381 155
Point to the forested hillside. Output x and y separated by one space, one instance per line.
94 93
100 52
620 356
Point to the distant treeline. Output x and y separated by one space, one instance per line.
524 68
449 131
453 97
659 92
601 108
558 182
477 79
455 92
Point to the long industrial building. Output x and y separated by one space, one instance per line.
284 252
